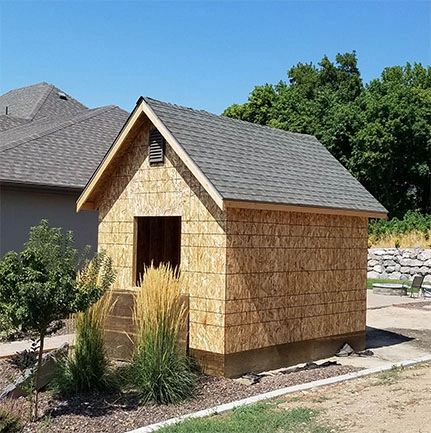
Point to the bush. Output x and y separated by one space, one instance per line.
86 368
160 370
11 418
414 230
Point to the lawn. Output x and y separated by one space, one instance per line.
370 282
354 407
259 418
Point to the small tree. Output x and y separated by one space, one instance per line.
39 286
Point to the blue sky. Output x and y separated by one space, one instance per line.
203 54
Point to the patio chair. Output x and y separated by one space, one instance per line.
426 291
416 284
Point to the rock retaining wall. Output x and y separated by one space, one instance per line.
399 263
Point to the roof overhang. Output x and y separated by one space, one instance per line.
242 204
86 200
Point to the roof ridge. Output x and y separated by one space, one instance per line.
233 120
69 121
41 101
26 87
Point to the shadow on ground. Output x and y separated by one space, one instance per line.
382 338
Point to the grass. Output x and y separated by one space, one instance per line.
160 369
406 240
371 281
390 377
86 368
259 418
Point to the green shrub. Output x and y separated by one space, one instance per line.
87 366
413 230
160 370
10 422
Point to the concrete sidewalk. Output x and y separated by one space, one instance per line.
398 328
379 301
9 349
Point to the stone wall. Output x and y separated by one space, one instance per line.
399 263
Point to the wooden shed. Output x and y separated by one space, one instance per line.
270 228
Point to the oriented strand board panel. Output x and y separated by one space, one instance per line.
135 189
292 277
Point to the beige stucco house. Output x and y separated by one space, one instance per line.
271 229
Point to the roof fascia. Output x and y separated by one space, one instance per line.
84 202
243 204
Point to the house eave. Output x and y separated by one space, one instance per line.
245 204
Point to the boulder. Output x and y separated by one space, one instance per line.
395 276
49 363
378 269
378 252
425 255
387 263
372 263
373 274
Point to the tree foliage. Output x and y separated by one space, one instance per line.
380 131
39 285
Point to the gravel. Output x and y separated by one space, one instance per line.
117 413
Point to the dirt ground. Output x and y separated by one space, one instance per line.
398 401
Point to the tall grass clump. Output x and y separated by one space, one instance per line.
86 368
413 230
161 371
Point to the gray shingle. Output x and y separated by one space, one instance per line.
62 146
37 101
245 161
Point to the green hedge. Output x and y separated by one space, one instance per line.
411 222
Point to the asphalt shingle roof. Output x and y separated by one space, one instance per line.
245 161
60 142
37 101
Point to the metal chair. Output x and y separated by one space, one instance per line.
416 284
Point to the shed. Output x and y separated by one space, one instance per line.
268 225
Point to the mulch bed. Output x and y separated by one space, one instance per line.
118 413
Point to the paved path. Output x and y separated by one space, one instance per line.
8 349
394 332
379 301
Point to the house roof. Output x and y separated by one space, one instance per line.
59 142
241 163
37 101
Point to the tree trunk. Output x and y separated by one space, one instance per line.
36 376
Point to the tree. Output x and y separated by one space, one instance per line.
392 148
380 132
39 286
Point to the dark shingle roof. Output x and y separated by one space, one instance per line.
37 101
245 161
61 146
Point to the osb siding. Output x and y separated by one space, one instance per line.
136 189
293 276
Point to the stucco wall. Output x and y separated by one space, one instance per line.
293 277
136 189
22 208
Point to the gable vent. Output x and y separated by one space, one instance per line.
156 148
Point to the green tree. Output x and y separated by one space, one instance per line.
380 132
392 149
39 285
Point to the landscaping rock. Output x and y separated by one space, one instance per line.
396 263
22 386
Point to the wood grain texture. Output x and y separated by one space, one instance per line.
134 189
